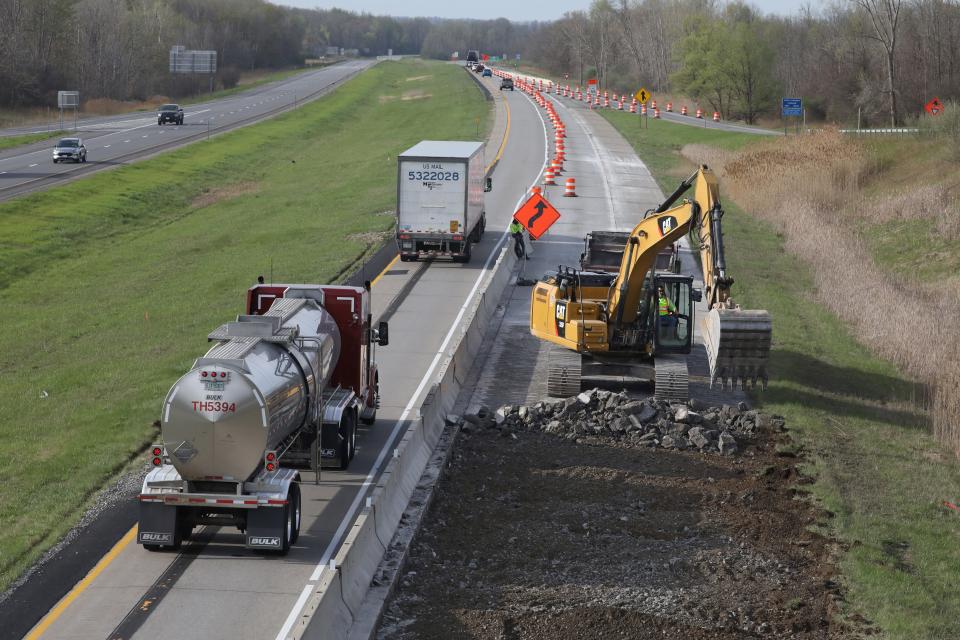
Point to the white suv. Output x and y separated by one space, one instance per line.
70 149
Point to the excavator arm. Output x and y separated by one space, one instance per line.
652 234
737 340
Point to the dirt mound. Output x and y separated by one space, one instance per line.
561 521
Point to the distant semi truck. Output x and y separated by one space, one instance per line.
281 389
473 57
440 201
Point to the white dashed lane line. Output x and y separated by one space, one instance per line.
34 164
107 146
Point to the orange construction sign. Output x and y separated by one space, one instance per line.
934 107
537 215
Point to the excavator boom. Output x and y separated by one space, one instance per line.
737 340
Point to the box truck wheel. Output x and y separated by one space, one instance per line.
467 253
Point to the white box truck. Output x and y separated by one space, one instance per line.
440 208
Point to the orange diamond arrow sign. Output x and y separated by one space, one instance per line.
537 215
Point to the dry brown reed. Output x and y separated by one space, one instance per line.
810 188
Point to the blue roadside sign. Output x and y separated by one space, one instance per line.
791 107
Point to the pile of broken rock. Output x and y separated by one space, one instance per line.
650 422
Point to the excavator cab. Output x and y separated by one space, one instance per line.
672 303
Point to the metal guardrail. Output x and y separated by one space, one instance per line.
898 131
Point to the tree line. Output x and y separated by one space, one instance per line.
120 48
879 60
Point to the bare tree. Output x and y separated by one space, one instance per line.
885 17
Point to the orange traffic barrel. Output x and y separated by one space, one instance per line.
570 191
716 116
548 177
683 110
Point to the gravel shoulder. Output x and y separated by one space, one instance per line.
602 516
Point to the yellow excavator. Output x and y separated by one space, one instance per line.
627 313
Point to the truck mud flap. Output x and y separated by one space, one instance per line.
158 524
266 527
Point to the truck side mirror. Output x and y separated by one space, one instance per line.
696 295
383 334
489 185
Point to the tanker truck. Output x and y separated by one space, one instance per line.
281 389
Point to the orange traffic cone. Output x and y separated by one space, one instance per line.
570 191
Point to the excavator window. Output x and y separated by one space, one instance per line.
674 317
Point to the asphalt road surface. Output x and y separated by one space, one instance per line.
216 589
122 139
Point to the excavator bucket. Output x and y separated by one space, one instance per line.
738 346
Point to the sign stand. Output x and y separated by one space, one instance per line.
69 100
790 107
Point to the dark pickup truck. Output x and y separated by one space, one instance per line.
506 83
170 113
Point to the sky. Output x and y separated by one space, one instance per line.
489 9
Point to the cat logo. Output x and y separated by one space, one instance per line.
561 317
667 224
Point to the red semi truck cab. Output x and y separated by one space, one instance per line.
350 307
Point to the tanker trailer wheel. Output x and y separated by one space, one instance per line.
295 512
347 439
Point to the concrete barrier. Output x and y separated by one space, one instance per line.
343 586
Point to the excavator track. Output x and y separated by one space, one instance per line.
564 372
738 346
672 381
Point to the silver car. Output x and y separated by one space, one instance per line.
70 149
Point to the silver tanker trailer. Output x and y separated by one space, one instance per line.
281 389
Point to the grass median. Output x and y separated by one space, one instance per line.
880 475
111 284
9 142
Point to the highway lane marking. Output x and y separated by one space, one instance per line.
81 586
385 269
506 134
126 141
34 164
427 377
106 146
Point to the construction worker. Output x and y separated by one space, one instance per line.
668 312
516 230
